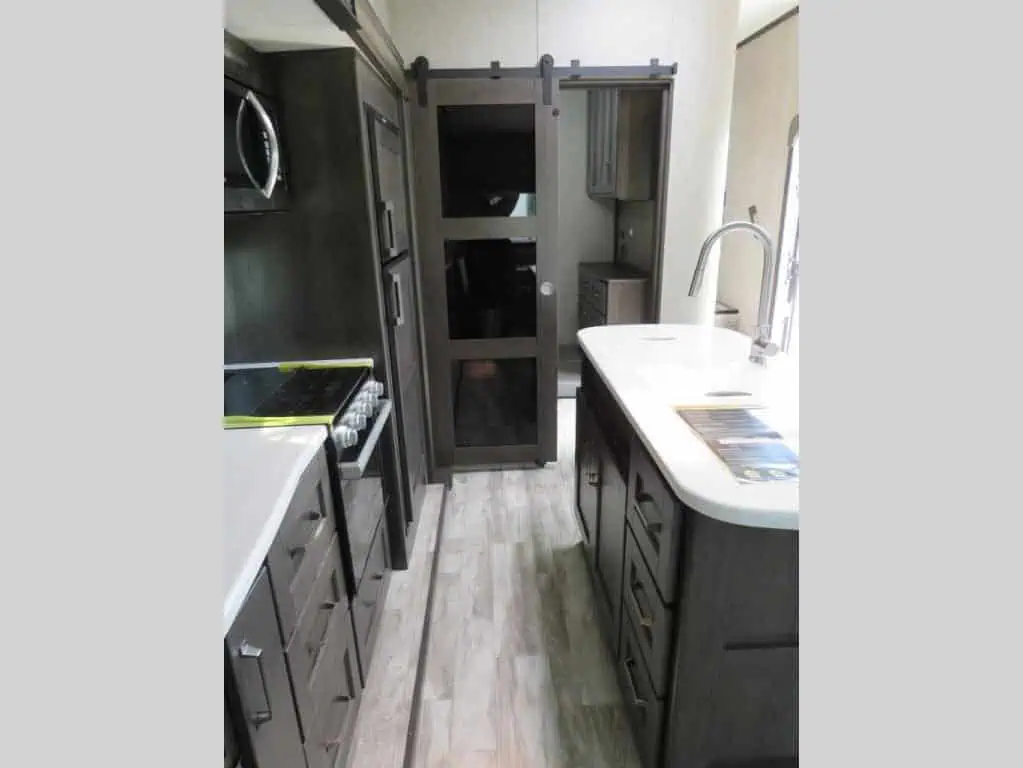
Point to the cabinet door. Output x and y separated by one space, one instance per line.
256 659
401 295
414 436
587 476
611 539
609 117
592 141
404 316
392 220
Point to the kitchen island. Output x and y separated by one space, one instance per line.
695 568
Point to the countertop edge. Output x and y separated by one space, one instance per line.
744 516
239 590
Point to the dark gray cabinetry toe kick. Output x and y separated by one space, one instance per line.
700 615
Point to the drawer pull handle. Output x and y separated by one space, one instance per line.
377 577
636 700
328 605
259 716
639 596
297 551
314 515
593 478
654 527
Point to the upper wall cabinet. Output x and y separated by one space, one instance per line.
623 142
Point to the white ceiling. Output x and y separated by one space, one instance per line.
756 14
282 24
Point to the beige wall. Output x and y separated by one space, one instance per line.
698 34
765 99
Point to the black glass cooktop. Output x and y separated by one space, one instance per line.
300 392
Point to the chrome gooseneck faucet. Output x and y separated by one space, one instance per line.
762 347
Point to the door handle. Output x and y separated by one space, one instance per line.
652 528
259 716
387 225
547 288
399 309
267 189
639 598
636 700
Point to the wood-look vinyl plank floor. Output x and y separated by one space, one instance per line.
517 675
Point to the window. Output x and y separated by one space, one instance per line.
786 300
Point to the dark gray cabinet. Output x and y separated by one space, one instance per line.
369 600
256 661
351 227
292 651
302 542
389 182
611 294
623 143
404 321
601 106
587 477
400 281
611 539
701 615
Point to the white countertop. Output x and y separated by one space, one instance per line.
262 468
651 369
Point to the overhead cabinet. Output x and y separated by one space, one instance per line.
623 137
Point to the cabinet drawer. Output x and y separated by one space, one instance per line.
336 690
589 315
611 542
656 520
307 650
260 674
587 474
645 710
369 600
593 290
305 534
652 619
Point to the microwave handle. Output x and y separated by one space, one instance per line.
275 150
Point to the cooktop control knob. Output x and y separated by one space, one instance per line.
354 420
362 408
374 387
346 437
369 397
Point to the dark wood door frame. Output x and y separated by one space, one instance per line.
432 231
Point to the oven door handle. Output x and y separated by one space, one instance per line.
353 470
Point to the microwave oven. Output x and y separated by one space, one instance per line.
254 177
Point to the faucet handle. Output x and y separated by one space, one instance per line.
762 348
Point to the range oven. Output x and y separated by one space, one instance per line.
359 437
254 178
365 493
